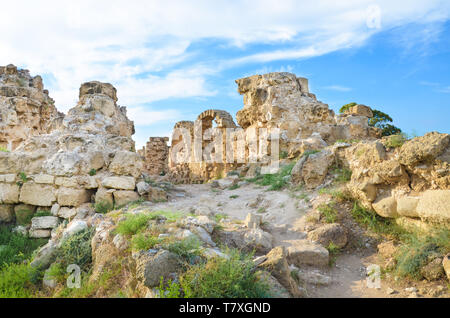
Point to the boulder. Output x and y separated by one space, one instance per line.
72 197
433 270
45 255
424 148
104 196
277 265
386 207
121 183
407 206
258 239
315 168
39 233
75 227
150 268
303 252
360 110
124 197
329 233
37 194
142 187
253 221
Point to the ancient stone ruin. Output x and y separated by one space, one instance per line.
25 107
90 158
271 101
156 156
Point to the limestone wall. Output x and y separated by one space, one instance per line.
89 159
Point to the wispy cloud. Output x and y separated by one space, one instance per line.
338 88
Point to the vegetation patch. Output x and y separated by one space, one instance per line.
232 277
396 141
276 181
328 212
103 207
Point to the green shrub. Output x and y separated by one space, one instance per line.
308 153
42 213
283 154
415 250
374 222
234 196
18 281
133 224
276 181
76 249
92 172
234 187
14 247
328 211
187 249
3 149
220 216
346 107
342 175
334 251
103 207
396 141
219 277
142 241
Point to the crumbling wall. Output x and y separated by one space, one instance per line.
271 101
156 155
25 107
90 158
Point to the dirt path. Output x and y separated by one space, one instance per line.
282 211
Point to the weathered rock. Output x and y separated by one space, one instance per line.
203 235
303 252
329 233
258 239
150 268
142 187
433 270
360 110
387 249
386 207
126 163
121 183
37 194
315 168
124 197
156 154
424 148
44 222
435 205
75 227
43 179
104 196
9 193
45 256
67 213
156 194
120 242
407 206
252 221
72 197
39 233
277 265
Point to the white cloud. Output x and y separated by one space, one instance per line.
142 47
338 88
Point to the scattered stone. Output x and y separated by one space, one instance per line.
329 233
252 221
390 291
45 256
75 227
150 268
303 252
433 270
44 222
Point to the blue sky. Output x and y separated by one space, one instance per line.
171 60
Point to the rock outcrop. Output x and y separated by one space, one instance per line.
25 107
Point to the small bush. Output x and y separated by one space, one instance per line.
234 196
283 154
14 247
3 149
346 107
415 250
133 224
328 211
234 187
18 281
308 153
92 172
276 181
342 175
187 249
334 251
374 222
76 249
103 207
220 216
232 277
143 241
395 141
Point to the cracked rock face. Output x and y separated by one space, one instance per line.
25 107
